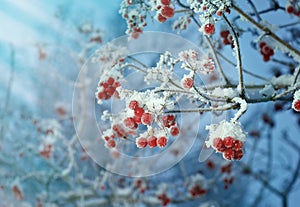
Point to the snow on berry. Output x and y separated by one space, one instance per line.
266 51
187 82
139 112
193 62
227 138
162 141
147 118
296 101
141 142
152 141
174 130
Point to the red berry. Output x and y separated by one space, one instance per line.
138 111
162 141
168 120
218 143
238 155
111 143
165 2
146 118
228 154
228 142
296 105
224 33
101 95
129 122
174 131
110 80
266 58
237 145
266 50
167 12
137 120
262 44
219 13
133 104
209 28
152 141
290 9
161 18
141 142
187 82
110 91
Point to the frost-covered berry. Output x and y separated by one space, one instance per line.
152 141
165 2
174 130
111 143
228 154
129 122
209 29
133 104
161 18
218 143
168 120
141 142
228 142
187 82
296 101
167 12
147 118
139 111
162 141
238 155
238 145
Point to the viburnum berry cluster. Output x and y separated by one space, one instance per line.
135 15
227 38
164 10
296 101
293 7
227 138
107 89
198 185
266 51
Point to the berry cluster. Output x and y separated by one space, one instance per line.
165 11
107 89
109 141
296 101
227 38
209 29
135 17
170 123
140 116
197 190
230 147
266 51
151 141
227 182
165 200
292 8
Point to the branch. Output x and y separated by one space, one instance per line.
266 30
238 57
